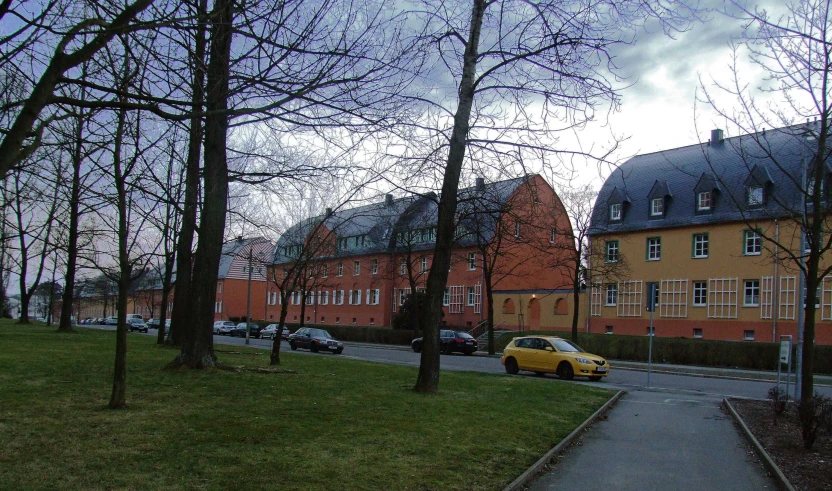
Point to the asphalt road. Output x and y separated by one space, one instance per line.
629 380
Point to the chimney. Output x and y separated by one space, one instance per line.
480 184
329 212
388 199
716 136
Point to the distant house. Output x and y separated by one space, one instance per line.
238 257
689 221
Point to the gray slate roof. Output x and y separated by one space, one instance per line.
380 222
772 159
230 250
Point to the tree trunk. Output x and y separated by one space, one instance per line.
183 306
576 300
198 343
489 294
72 242
284 311
428 378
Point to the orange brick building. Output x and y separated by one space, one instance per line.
238 256
357 266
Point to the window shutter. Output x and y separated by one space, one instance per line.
368 296
350 297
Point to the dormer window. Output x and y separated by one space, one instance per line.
657 207
755 196
703 201
615 211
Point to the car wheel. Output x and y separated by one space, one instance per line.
595 379
445 350
293 345
565 371
337 352
313 347
511 367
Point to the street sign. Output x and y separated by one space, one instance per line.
785 350
652 297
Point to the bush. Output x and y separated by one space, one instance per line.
779 401
814 413
684 351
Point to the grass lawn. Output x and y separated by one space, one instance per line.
335 423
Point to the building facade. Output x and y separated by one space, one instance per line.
693 223
241 260
359 266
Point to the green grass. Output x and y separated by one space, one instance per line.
335 423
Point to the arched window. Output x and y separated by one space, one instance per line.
508 306
561 307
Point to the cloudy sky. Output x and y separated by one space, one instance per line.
658 110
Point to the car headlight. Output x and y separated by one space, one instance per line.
583 360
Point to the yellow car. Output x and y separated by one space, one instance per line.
549 354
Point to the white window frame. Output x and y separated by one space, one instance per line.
471 297
446 297
595 300
755 240
611 288
673 298
703 201
456 301
472 261
338 297
355 296
375 266
218 307
748 335
656 207
423 264
325 270
403 267
753 198
722 298
615 211
767 297
701 241
478 298
324 297
753 286
700 288
517 228
654 248
788 305
356 265
826 299
403 293
340 268
629 298
608 247
310 298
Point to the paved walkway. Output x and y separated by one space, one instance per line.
660 441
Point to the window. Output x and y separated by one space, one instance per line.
595 299
748 335
612 251
752 243
629 298
218 307
697 333
472 261
767 297
219 287
423 264
477 298
755 196
356 297
375 266
245 269
340 269
654 248
608 330
403 267
552 237
446 297
612 295
700 294
722 298
374 296
517 227
752 293
323 298
615 211
472 296
356 268
455 304
700 245
673 298
657 207
338 297
703 201
310 298
788 297
324 270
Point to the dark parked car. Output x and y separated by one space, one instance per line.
240 330
450 342
315 340
154 323
136 324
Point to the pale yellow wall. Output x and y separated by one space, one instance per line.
548 319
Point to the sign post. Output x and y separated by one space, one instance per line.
652 303
785 358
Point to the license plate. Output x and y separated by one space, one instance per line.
469 342
602 370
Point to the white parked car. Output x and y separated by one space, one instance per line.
270 331
223 327
110 321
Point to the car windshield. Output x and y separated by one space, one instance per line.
465 335
319 333
566 346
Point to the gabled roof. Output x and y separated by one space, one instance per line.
230 250
728 166
380 222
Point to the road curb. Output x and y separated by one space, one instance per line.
529 474
708 375
767 461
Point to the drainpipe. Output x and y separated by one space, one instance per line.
775 288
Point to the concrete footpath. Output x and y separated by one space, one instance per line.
656 440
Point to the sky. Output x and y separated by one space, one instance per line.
660 110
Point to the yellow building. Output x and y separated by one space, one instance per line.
710 227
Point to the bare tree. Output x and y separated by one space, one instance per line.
793 51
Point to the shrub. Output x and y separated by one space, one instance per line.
779 401
814 413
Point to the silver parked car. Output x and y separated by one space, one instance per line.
270 331
223 327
